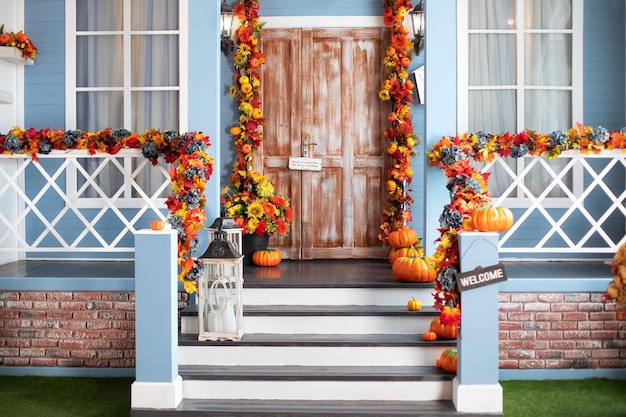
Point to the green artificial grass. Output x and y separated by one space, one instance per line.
110 397
30 396
570 398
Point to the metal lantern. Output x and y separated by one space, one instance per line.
220 308
228 225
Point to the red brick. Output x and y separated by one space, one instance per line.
549 354
507 325
124 306
552 334
508 364
596 297
96 363
511 307
615 325
60 314
46 324
531 364
97 344
85 315
87 334
114 334
44 343
58 334
110 354
57 353
605 353
522 354
543 316
112 315
73 325
605 315
43 362
70 362
31 333
535 344
113 296
575 316
16 361
591 325
125 325
503 335
520 316
6 351
588 344
18 343
614 344
558 364
564 325
99 305
83 354
503 354
562 344
98 325
19 305
32 314
523 297
9 295
9 314
33 352
61 296
18 324
33 295
550 298
564 307
576 297
130 315
84 296
122 363
523 335
71 344
503 297
537 325
603 334
612 363
591 307
73 305
537 307
510 344
579 334
129 353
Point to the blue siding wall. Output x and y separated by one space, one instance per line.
604 71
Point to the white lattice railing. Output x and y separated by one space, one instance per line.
577 210
75 203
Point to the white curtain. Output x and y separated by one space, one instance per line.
100 63
547 62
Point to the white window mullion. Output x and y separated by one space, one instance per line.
127 67
577 56
519 64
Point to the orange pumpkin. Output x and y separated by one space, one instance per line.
414 305
409 251
414 269
403 237
443 331
266 257
448 360
492 219
468 224
157 225
429 336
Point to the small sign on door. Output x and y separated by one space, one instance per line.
305 164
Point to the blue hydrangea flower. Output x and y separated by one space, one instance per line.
447 278
623 131
192 198
195 146
196 271
450 218
71 137
482 139
194 244
452 154
13 144
45 147
519 151
474 185
194 171
460 181
150 150
557 138
599 134
120 133
171 136
177 224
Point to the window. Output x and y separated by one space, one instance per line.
520 67
126 68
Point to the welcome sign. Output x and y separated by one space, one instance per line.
480 277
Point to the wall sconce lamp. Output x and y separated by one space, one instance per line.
417 19
227 19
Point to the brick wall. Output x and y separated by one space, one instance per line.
559 331
68 329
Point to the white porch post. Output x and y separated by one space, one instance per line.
157 383
476 387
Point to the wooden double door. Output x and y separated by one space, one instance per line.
320 97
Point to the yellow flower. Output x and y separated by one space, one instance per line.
384 95
244 79
265 189
255 210
252 225
246 108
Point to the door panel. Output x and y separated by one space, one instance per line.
322 85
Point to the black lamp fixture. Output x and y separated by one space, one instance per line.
227 20
417 19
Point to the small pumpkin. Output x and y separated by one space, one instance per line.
414 269
266 257
429 336
443 331
409 251
448 360
157 225
414 305
403 237
492 219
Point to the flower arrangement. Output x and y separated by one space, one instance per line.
18 40
616 291
259 210
191 170
250 199
468 187
398 89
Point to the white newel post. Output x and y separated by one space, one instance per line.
157 383
476 387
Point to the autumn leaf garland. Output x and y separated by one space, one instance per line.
398 89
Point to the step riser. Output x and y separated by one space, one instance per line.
319 390
336 296
326 324
309 355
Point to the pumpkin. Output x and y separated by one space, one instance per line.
429 336
414 269
468 225
157 225
414 305
266 257
492 219
403 237
448 360
443 331
409 251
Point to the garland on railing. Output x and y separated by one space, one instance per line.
469 189
191 169
401 139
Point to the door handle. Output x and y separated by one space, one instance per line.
305 147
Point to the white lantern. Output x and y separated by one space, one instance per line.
228 225
220 308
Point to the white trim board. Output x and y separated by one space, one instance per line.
276 22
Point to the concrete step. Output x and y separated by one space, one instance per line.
301 383
329 319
